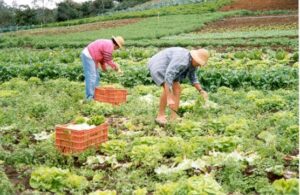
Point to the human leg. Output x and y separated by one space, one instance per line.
176 92
162 106
90 75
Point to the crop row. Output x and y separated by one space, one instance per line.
136 56
198 8
291 43
237 35
274 27
263 78
286 42
149 28
153 30
163 3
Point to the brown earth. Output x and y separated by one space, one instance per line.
262 5
255 21
79 28
245 47
14 176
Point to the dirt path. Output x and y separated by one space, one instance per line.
79 28
253 21
262 5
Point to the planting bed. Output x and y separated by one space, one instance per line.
244 140
253 21
262 5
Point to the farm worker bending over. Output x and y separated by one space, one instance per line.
168 68
98 52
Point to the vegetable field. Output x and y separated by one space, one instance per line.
244 140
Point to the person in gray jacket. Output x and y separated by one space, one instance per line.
168 68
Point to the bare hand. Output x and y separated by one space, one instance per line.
119 71
204 94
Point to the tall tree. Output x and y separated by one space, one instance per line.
87 8
35 2
6 14
25 15
99 6
67 10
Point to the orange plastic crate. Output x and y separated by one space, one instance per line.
110 95
72 141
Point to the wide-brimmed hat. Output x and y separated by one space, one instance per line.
119 40
200 56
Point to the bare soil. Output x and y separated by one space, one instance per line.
255 5
255 21
243 47
15 178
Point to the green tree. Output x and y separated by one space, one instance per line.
87 8
6 14
45 15
67 10
100 6
43 12
25 15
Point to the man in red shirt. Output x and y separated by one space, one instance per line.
98 52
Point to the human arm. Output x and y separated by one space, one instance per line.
195 82
108 60
107 51
103 67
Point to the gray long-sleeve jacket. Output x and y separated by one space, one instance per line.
172 64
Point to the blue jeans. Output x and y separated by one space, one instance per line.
91 75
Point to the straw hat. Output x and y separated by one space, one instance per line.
119 40
200 56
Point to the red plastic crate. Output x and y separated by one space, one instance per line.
110 95
72 141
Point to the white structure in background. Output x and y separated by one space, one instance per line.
116 3
50 4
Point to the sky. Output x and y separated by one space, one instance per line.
48 3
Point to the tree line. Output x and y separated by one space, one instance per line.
65 10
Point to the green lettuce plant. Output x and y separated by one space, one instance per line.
286 186
146 156
96 120
56 180
203 184
115 147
